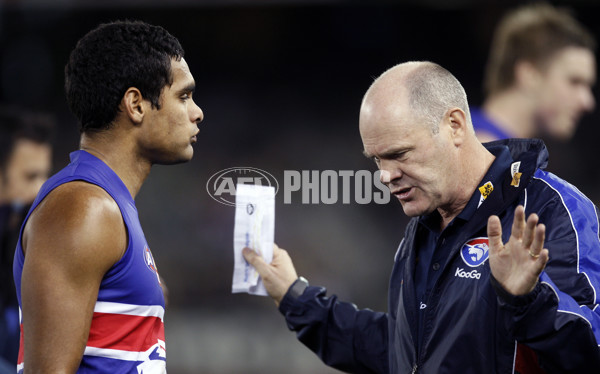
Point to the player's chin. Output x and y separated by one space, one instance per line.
186 158
177 158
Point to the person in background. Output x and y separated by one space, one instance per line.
25 164
539 76
498 268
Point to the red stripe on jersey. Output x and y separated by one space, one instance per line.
125 332
21 347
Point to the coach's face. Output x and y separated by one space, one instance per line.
416 162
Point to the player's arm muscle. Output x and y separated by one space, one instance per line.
70 241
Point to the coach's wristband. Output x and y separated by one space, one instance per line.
297 288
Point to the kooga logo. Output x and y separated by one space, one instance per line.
221 185
461 273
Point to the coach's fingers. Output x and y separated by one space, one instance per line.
494 232
518 226
537 244
530 232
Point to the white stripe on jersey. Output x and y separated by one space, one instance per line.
130 309
127 355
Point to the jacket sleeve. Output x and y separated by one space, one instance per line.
560 319
560 331
344 337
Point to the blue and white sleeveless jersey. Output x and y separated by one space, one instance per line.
127 330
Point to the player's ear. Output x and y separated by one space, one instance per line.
134 105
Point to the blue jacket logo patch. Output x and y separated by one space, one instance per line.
475 251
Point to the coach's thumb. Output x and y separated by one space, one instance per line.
254 259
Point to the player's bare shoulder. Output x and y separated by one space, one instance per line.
78 216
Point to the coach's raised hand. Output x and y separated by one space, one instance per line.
517 264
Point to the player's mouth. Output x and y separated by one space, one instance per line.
194 138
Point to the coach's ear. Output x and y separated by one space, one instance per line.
456 119
133 105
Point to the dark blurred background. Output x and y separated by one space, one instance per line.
280 83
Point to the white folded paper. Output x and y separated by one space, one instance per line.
255 229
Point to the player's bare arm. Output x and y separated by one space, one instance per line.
70 241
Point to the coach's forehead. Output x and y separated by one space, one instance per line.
387 99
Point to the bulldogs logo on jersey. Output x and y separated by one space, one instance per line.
155 360
150 262
475 251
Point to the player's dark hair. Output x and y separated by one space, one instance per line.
112 58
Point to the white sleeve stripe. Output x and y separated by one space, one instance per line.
576 314
568 209
553 290
570 217
568 311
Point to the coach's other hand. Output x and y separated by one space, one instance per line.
277 276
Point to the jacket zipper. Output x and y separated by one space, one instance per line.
414 369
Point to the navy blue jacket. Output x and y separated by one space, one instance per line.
471 325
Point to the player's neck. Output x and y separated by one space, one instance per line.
116 151
513 112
